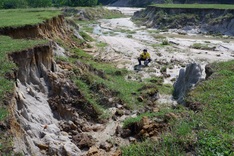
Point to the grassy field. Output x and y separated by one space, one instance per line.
195 6
206 131
21 17
8 45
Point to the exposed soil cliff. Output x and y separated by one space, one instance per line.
45 98
56 28
34 121
49 113
199 20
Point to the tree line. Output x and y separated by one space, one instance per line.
12 4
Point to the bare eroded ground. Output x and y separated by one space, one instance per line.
124 41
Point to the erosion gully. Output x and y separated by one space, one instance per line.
125 41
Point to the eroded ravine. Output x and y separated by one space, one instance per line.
125 41
44 94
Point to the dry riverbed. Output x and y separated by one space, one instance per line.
122 41
172 50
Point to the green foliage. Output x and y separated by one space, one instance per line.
22 17
101 44
201 46
131 120
85 36
197 6
165 42
39 3
3 114
12 4
85 3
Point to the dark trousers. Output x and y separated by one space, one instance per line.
141 59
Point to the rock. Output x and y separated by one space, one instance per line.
144 121
106 146
140 99
83 140
118 106
119 112
118 152
156 109
208 71
170 116
92 151
72 125
42 146
132 139
186 80
118 130
71 149
125 133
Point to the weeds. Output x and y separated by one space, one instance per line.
201 46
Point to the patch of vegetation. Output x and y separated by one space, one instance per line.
201 46
3 113
93 13
22 17
85 36
129 36
159 36
195 6
153 31
220 19
165 42
101 44
131 120
127 31
207 130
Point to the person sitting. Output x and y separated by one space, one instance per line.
145 56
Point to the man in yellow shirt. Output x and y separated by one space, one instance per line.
145 56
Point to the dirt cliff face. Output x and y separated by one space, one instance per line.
43 95
205 20
56 28
44 99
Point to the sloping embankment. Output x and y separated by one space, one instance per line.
208 20
56 28
43 94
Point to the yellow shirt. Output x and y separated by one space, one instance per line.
145 55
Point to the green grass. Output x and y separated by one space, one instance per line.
22 17
118 83
201 46
85 36
101 44
3 113
195 6
208 131
8 45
